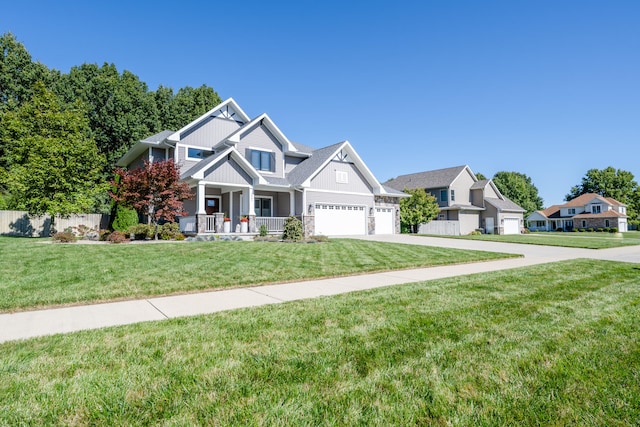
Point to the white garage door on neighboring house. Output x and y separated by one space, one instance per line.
385 221
511 226
340 220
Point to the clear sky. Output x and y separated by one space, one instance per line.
550 89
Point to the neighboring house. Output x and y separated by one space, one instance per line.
242 167
466 203
586 211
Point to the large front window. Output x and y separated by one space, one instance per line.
198 153
261 160
262 206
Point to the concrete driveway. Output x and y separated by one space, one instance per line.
29 324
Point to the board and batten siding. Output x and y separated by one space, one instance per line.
326 179
183 163
227 171
261 139
210 133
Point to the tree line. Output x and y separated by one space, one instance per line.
62 133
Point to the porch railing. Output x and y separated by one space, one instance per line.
273 223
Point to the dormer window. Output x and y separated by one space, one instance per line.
595 209
198 153
571 211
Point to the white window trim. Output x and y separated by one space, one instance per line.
186 152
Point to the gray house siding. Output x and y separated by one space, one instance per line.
490 192
261 139
182 161
227 171
210 133
462 185
291 162
476 198
326 178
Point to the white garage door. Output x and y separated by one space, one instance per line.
340 220
511 226
385 223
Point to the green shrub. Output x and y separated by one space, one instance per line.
293 229
581 230
117 237
614 229
559 229
64 237
607 229
574 230
104 235
263 230
590 229
124 219
600 230
142 231
475 233
170 231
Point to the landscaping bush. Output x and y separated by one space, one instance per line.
607 229
117 237
103 235
263 230
600 230
64 237
590 229
475 233
574 230
142 231
614 229
124 219
559 229
581 230
171 231
293 229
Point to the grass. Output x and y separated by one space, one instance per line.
571 240
34 274
555 344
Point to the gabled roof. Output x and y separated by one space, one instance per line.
480 184
605 214
586 198
261 120
197 171
302 174
439 178
227 109
503 205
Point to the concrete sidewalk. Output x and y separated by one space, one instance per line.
68 319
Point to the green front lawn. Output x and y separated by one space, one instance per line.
554 344
37 274
585 240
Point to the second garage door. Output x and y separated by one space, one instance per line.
511 226
340 220
385 223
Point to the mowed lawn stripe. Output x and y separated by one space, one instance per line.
550 344
35 274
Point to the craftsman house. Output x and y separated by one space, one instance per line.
248 171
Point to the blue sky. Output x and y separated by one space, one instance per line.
550 89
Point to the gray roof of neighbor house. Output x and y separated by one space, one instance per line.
504 205
430 179
304 170
394 191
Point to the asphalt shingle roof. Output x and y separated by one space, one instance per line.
504 205
304 170
429 179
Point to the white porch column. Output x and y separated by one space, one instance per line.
292 203
231 207
200 208
251 202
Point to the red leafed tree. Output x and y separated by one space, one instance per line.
154 190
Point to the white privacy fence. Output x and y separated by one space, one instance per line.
444 228
19 223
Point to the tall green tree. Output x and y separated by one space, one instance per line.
120 108
175 111
19 73
52 163
520 189
418 209
610 182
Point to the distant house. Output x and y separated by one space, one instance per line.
586 211
466 203
247 170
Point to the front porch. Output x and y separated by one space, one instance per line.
216 224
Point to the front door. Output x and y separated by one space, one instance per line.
211 205
262 206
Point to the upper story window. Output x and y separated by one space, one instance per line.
342 177
453 195
261 160
198 153
595 209
443 195
571 211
